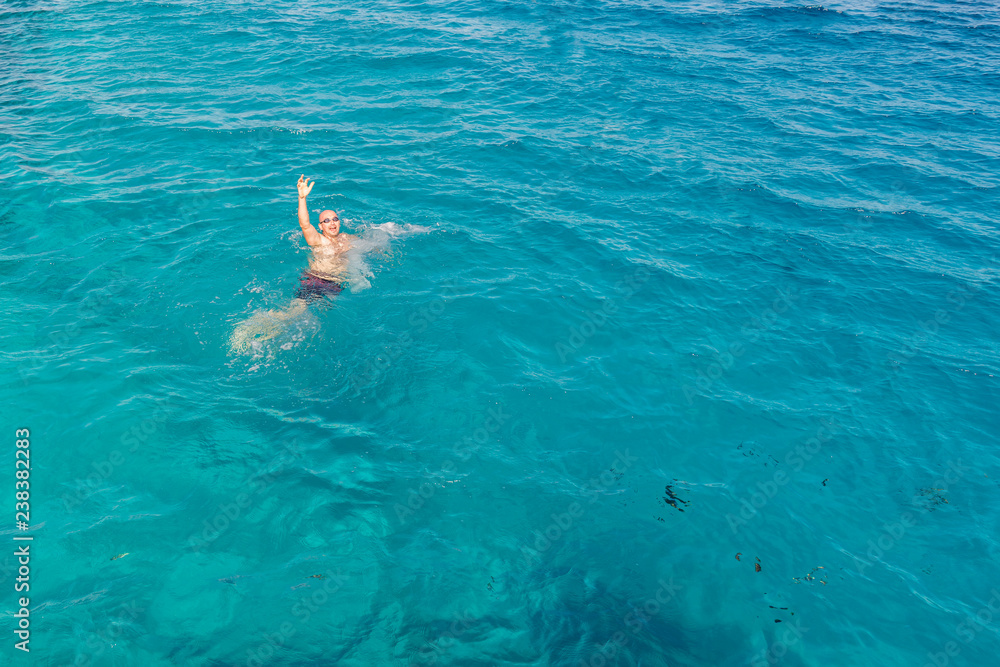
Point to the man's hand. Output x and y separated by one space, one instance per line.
305 187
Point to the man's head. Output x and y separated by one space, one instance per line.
329 223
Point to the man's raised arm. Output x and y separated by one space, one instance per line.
312 236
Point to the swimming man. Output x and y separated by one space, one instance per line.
325 275
327 264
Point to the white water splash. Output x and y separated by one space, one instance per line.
264 331
374 239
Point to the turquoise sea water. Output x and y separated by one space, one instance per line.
651 295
